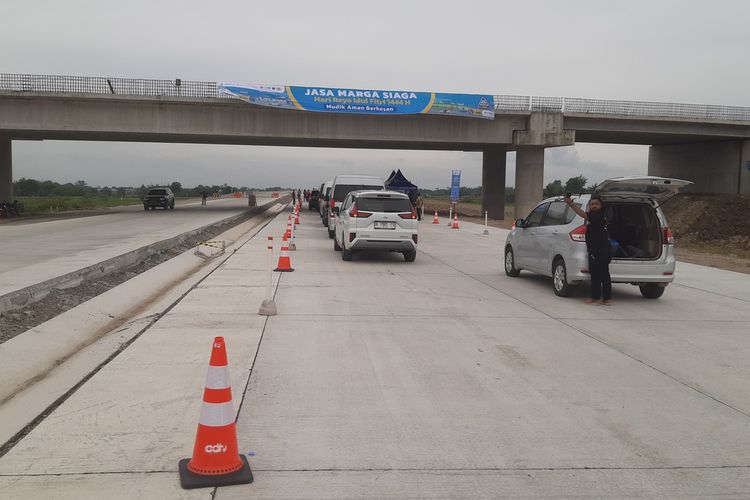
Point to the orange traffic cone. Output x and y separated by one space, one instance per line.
216 458
285 263
455 222
296 216
288 232
435 219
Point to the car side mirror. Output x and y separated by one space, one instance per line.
520 223
336 210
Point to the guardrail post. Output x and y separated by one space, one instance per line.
268 307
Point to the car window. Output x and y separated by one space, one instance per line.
535 217
341 190
389 205
570 214
157 192
347 203
555 215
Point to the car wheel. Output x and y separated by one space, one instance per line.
410 256
171 207
346 255
560 279
510 264
331 234
336 244
145 208
652 290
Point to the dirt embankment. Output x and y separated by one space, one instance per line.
711 230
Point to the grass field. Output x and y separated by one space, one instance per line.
34 205
470 207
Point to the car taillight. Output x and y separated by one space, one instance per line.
667 237
410 215
333 203
579 234
358 213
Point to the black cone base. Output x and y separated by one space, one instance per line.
188 480
283 270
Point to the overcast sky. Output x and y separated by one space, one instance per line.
682 51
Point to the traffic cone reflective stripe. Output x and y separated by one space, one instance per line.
288 233
455 222
216 460
435 219
285 263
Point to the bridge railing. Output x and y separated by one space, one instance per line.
101 85
515 103
644 109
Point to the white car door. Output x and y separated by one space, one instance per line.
527 242
548 234
342 219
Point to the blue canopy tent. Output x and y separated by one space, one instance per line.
397 182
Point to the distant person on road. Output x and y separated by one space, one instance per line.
598 248
419 203
299 196
204 196
294 197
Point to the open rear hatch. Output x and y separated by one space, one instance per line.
658 189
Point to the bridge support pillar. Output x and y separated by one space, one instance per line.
529 179
6 169
493 183
714 167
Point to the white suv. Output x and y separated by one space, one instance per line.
376 220
551 240
345 184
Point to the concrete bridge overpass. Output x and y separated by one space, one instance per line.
709 145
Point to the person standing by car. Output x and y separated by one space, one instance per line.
204 196
419 203
598 248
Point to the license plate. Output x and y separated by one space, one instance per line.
385 225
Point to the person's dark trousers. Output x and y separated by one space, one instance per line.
601 282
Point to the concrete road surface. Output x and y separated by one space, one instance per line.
437 379
37 251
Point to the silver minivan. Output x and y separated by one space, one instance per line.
551 240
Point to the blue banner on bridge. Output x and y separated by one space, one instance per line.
371 102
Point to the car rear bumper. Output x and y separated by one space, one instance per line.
626 271
400 245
